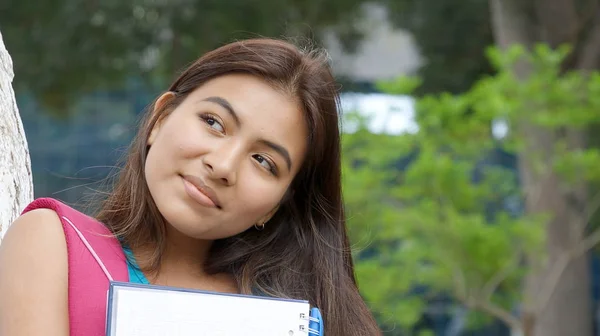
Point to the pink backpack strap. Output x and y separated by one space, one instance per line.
95 258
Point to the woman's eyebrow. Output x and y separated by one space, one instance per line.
281 150
227 106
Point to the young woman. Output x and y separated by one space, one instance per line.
232 184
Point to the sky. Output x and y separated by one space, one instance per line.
391 114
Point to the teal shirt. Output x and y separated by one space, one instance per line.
135 273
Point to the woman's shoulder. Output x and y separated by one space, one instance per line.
33 260
39 218
37 228
32 243
67 215
60 208
68 233
51 219
36 219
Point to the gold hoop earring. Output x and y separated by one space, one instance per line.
259 227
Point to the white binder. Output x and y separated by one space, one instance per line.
148 310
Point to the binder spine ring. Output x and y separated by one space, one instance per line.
314 325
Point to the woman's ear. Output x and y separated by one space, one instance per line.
160 104
269 215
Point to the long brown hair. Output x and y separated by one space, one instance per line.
304 250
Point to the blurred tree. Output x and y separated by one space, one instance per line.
446 223
451 36
64 48
555 22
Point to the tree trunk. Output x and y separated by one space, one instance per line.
564 308
528 324
16 185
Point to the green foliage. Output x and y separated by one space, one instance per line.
65 48
440 220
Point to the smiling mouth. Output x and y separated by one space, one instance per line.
199 192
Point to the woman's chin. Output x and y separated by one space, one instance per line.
198 232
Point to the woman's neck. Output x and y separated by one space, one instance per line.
183 264
185 252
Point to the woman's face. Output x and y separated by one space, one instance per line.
224 158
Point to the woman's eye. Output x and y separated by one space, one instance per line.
265 163
213 123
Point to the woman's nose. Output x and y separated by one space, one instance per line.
222 164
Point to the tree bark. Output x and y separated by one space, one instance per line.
563 308
16 185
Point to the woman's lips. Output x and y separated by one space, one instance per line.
200 192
